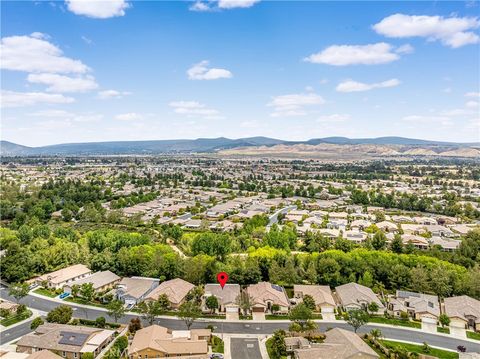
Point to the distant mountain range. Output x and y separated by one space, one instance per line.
205 145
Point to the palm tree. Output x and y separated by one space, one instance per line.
376 334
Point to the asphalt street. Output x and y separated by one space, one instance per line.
245 348
248 327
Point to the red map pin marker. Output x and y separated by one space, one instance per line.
222 278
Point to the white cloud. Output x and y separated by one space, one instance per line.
51 113
334 118
342 55
442 120
472 104
231 4
34 53
472 94
201 71
130 116
21 99
98 9
354 86
87 40
200 6
294 104
61 83
194 108
457 112
67 116
453 31
405 49
112 94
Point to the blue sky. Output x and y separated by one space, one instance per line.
81 71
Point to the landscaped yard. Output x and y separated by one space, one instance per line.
269 344
443 330
79 300
217 344
393 321
45 292
315 316
442 354
16 318
473 335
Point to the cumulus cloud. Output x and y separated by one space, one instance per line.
472 94
231 4
34 53
471 104
294 104
354 86
67 116
405 49
452 31
334 118
442 120
201 71
112 94
98 9
200 5
342 55
61 83
130 116
194 109
21 99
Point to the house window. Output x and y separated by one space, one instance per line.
75 355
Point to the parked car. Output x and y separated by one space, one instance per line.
63 295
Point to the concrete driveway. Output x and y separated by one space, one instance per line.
245 348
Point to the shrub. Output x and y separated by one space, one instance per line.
36 323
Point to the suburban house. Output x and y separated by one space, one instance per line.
321 294
227 298
133 290
265 295
339 343
102 281
61 277
416 305
159 342
8 306
68 341
463 311
292 343
175 289
387 226
355 296
42 354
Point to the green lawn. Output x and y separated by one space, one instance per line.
473 335
16 318
217 344
45 292
269 344
79 300
443 330
414 348
315 316
393 321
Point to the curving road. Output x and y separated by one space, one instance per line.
239 327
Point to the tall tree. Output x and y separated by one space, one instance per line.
18 291
357 318
189 312
150 310
116 309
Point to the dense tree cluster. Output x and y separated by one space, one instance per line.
40 249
